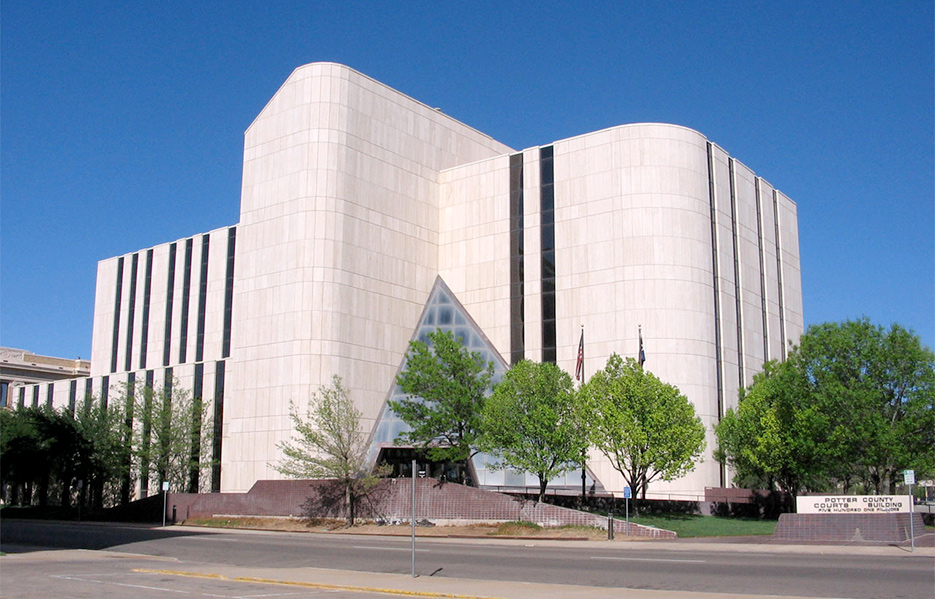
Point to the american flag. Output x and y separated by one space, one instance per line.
579 367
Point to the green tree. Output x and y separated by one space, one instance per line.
102 449
172 437
43 450
854 406
330 444
772 438
646 428
447 386
21 446
530 422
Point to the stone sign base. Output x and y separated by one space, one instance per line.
888 528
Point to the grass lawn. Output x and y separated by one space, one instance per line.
688 526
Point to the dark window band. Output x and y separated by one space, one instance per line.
202 300
131 312
147 291
126 477
229 292
117 297
517 266
718 349
186 297
782 308
762 252
737 290
547 241
147 430
195 458
218 423
170 293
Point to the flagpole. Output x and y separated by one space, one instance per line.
641 355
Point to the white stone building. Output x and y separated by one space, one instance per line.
359 201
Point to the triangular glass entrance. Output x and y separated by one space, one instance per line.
444 311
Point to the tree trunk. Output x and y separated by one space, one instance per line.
349 504
892 474
65 498
97 493
43 490
543 483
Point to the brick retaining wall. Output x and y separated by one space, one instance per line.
392 500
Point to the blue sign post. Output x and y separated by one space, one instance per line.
626 495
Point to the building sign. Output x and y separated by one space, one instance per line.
852 504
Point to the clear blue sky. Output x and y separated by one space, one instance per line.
121 123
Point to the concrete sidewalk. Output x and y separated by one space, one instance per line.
426 586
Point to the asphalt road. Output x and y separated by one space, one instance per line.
631 565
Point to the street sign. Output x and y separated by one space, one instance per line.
626 493
909 477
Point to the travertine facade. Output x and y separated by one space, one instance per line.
356 197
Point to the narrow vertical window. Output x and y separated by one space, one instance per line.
4 393
737 282
782 309
35 396
88 393
170 293
22 397
202 300
762 252
218 423
72 395
105 391
229 292
715 269
195 459
147 291
117 297
164 423
547 240
517 267
131 311
186 296
126 476
146 431
49 395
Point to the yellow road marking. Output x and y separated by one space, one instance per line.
313 585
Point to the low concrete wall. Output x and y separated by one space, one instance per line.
891 528
391 500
